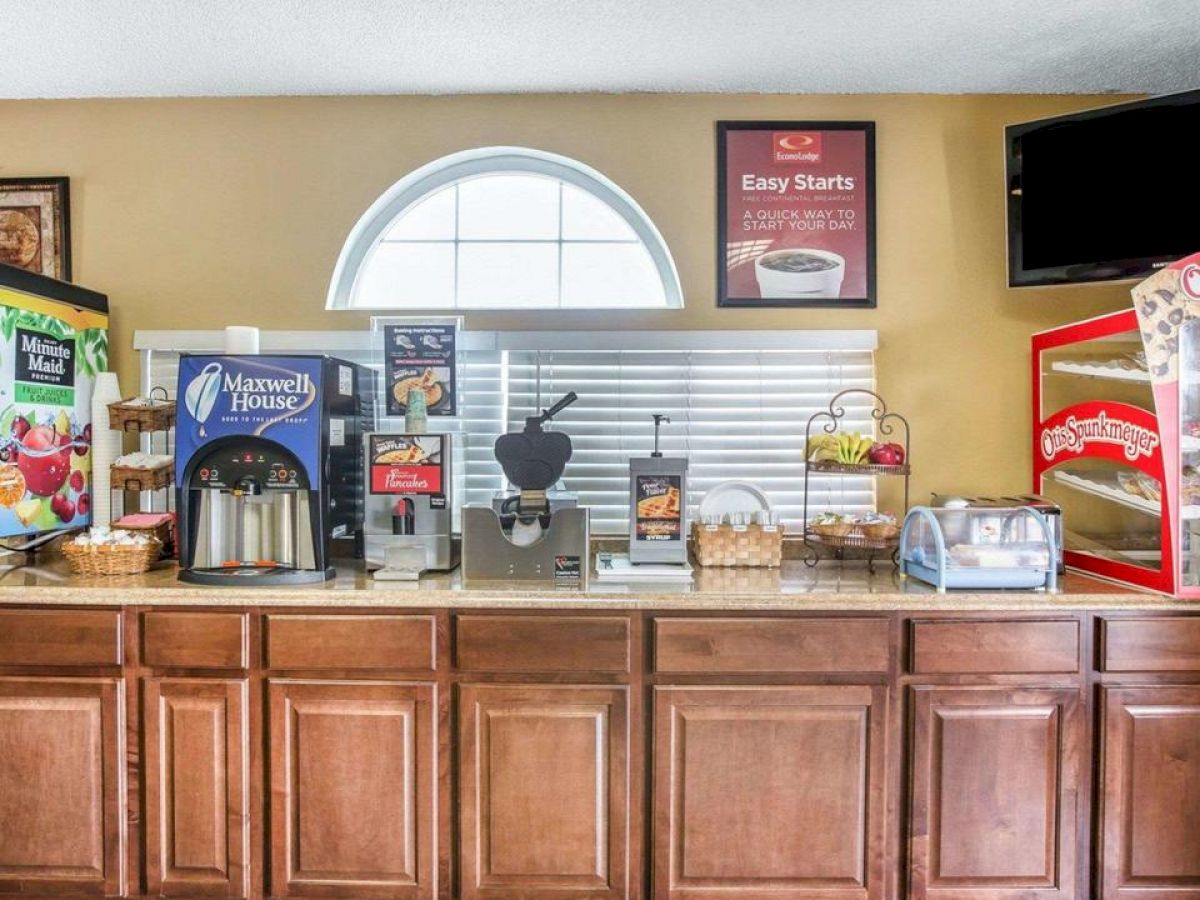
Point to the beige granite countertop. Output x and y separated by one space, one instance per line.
828 586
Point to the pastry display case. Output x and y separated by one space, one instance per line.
979 547
1116 435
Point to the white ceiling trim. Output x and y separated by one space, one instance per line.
123 48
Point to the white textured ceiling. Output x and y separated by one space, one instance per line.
119 48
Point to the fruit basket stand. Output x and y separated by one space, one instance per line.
854 541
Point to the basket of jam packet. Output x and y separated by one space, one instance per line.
879 527
111 551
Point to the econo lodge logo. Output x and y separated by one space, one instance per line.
792 147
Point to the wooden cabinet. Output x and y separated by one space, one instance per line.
544 792
196 775
62 785
995 788
1150 793
353 789
769 791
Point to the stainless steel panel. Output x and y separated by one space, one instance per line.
489 554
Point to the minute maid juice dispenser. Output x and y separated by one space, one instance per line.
53 342
268 467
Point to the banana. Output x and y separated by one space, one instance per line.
849 448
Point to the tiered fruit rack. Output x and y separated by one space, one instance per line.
828 421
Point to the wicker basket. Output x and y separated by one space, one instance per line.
130 478
834 529
880 531
111 559
752 546
128 415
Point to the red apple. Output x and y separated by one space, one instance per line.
45 474
884 455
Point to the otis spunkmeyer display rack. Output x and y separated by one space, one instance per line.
1116 435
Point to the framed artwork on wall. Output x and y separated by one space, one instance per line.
796 214
35 225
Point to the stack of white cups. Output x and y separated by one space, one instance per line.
106 446
241 339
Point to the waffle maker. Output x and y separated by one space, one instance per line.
538 533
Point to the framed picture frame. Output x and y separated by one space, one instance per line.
796 214
35 225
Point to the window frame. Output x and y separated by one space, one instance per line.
371 227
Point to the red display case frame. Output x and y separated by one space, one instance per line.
1118 432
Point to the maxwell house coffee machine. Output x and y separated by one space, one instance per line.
267 465
537 534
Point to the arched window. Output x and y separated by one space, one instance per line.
505 228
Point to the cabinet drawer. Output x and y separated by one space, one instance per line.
542 643
771 645
1160 644
34 637
995 647
351 642
202 640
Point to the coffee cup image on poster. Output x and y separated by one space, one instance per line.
797 214
50 353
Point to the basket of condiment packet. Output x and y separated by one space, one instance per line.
105 551
142 471
140 414
753 545
833 525
879 527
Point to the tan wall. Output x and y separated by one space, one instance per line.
202 213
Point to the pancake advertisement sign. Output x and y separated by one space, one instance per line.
796 214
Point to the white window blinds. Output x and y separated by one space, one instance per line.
738 403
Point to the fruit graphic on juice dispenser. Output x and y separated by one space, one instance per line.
53 342
45 459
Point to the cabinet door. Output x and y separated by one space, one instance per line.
352 789
196 773
62 748
1150 819
544 786
769 792
995 784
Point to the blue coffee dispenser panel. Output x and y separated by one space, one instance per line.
274 397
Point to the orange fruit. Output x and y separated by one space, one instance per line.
12 485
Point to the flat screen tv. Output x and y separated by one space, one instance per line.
1104 195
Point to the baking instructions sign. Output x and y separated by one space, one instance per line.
421 357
